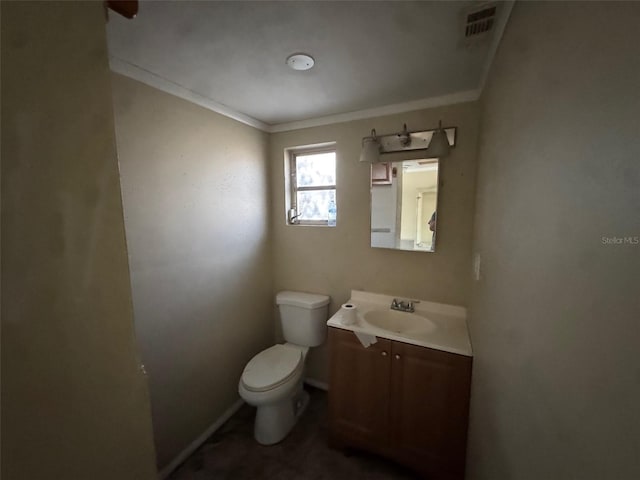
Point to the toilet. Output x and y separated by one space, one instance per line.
272 380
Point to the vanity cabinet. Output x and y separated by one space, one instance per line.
402 401
359 391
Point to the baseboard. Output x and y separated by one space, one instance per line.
193 446
317 383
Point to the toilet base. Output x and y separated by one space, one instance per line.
301 403
275 421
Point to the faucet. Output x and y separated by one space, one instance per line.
402 306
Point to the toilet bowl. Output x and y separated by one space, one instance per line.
272 380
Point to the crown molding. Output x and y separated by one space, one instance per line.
432 102
149 78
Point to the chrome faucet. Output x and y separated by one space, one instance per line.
402 306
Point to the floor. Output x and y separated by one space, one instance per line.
232 453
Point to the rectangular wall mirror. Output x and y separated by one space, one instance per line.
404 201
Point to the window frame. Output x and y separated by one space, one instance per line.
293 189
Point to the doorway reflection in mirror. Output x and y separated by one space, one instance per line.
403 211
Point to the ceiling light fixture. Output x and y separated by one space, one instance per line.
407 145
300 61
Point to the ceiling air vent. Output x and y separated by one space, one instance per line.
480 20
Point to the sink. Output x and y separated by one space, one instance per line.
402 323
432 325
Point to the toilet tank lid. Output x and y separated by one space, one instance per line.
301 299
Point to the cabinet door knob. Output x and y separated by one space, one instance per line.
397 356
384 354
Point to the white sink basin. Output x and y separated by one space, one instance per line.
432 325
402 323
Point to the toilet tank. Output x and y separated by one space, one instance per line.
303 317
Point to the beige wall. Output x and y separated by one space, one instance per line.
197 221
335 260
74 401
555 319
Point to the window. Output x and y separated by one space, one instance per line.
312 174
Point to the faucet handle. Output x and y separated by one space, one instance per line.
394 303
411 305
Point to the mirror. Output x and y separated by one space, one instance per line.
404 200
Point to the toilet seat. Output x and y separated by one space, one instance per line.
272 367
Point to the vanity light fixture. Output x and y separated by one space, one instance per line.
407 145
370 148
439 144
404 137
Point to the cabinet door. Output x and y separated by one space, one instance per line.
381 174
359 391
429 409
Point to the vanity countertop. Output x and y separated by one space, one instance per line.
447 330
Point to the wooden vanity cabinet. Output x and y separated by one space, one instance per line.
359 391
405 402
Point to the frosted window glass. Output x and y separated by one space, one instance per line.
316 170
314 204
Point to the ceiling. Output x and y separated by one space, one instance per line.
230 56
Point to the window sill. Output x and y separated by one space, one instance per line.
310 225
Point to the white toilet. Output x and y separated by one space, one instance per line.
272 380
